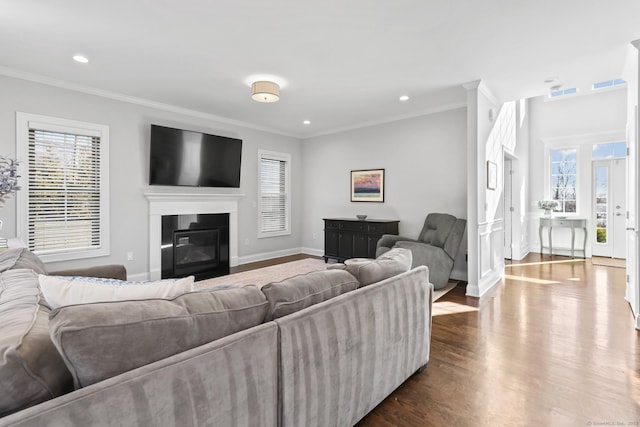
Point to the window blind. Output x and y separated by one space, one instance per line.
273 195
64 191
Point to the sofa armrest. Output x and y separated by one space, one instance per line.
111 271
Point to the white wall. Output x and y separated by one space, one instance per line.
573 122
129 151
425 171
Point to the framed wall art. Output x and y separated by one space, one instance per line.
492 175
367 185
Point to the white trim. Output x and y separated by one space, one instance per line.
283 157
89 90
263 256
361 125
312 251
24 121
584 139
189 203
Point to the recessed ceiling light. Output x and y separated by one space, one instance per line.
80 58
404 98
307 122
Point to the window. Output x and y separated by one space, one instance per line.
563 92
609 84
63 205
563 179
609 150
274 204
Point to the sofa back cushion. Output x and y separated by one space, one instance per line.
101 340
299 292
68 290
21 258
31 369
389 264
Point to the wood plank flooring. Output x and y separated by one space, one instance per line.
555 345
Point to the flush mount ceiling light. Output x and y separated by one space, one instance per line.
404 98
81 59
265 91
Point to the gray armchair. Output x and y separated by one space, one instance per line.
436 247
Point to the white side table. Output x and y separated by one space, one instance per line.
571 223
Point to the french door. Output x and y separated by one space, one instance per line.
609 208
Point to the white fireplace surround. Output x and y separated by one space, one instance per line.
187 204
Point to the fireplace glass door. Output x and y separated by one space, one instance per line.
195 251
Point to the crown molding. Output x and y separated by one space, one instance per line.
89 90
413 115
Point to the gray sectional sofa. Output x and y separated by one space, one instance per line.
319 349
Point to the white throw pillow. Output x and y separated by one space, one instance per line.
67 290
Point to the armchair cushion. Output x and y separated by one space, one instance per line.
437 228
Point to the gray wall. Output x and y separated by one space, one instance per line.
129 148
425 171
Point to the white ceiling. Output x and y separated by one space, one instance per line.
342 63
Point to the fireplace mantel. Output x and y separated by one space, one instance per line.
184 204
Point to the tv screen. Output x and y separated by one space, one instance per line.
187 158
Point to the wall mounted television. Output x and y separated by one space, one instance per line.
193 159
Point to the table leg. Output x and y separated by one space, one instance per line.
573 240
584 243
550 242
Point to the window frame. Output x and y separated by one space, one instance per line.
25 121
285 157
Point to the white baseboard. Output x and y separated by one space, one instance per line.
487 283
312 251
268 255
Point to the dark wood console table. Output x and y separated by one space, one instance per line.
352 238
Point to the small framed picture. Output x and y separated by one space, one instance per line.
492 175
367 185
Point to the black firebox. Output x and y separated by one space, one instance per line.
196 244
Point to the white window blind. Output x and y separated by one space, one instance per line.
64 191
63 206
274 194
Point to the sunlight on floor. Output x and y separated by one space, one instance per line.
545 262
531 280
449 307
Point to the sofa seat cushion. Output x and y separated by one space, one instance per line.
21 258
101 340
299 292
31 369
67 290
389 264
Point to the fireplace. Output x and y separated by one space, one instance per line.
195 244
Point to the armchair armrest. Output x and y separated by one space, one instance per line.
111 271
387 241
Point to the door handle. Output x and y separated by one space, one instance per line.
618 214
631 229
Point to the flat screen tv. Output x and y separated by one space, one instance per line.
194 159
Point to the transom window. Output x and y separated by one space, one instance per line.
563 179
610 150
62 210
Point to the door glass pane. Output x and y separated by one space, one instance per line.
602 200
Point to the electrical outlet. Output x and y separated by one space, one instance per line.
315 236
129 256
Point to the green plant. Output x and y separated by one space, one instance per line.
601 235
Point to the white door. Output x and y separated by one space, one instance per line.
609 208
508 209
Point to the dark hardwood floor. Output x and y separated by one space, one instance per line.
555 345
